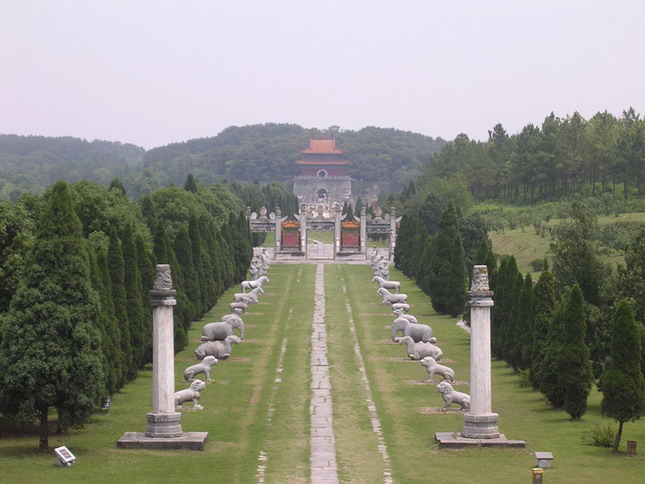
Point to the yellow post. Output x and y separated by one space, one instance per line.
537 475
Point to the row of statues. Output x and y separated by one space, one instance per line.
219 337
420 344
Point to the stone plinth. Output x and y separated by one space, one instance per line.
163 425
187 441
480 426
451 440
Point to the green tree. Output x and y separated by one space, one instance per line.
116 268
575 256
622 383
542 311
448 278
573 361
50 354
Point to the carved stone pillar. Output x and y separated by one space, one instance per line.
163 421
480 422
278 232
364 231
303 231
392 234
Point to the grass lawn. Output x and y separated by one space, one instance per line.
525 244
257 410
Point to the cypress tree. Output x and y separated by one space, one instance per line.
574 364
543 307
112 356
50 353
622 383
550 383
134 303
147 275
512 348
116 270
184 253
448 276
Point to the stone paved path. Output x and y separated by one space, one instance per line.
323 443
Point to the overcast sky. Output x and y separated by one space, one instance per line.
153 72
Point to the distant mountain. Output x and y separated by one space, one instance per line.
32 163
263 152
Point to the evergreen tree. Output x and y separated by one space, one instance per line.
548 376
134 303
116 269
448 278
111 352
622 383
183 251
575 374
543 307
506 296
191 184
575 256
50 353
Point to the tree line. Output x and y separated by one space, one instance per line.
560 158
77 264
581 324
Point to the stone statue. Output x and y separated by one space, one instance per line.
218 349
383 269
450 395
219 330
253 284
191 393
417 351
204 367
382 282
418 332
389 298
400 306
433 368
248 297
254 270
264 259
238 305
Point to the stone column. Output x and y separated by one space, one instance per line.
392 233
303 230
278 232
364 231
337 214
480 422
163 421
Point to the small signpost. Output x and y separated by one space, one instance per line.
65 457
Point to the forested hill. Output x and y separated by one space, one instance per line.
267 152
263 152
32 163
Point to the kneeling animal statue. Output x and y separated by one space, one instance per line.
204 367
450 395
191 393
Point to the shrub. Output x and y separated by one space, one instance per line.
600 436
524 379
537 265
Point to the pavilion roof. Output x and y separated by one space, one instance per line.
322 146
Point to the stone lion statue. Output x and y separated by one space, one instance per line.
433 368
204 367
191 393
450 395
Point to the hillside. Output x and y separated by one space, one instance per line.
32 163
267 152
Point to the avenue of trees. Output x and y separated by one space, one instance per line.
563 333
77 265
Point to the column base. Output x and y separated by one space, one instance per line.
481 426
163 425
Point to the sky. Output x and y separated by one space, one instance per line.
154 72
